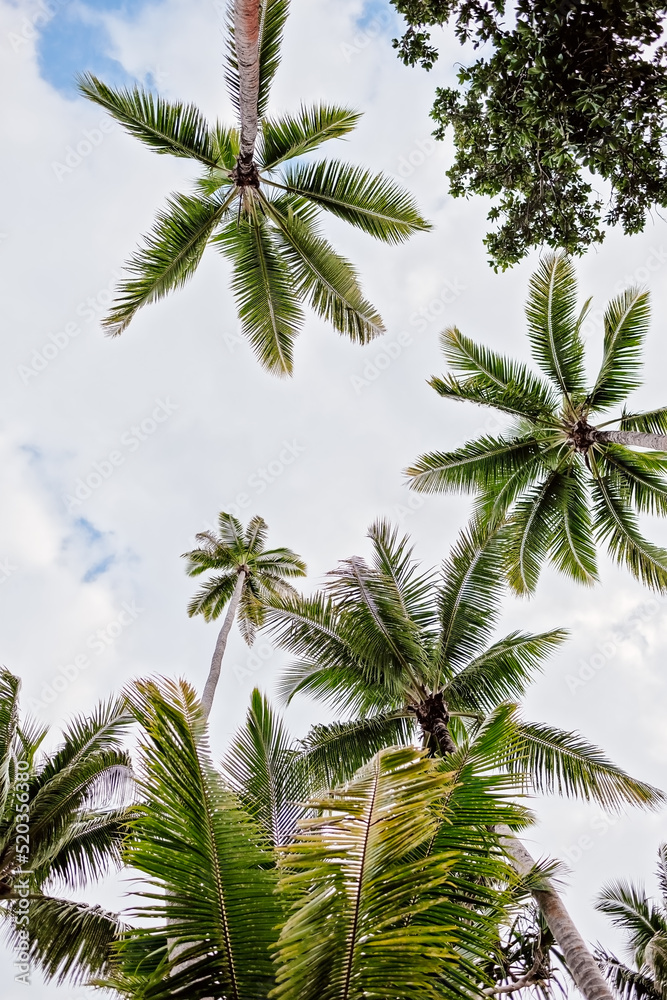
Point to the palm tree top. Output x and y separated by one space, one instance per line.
257 198
566 475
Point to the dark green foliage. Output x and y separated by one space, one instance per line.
566 102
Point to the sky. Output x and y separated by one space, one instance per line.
92 588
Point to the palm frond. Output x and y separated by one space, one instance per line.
564 763
615 524
477 465
290 136
212 598
532 530
641 476
553 328
650 421
371 202
628 983
332 754
9 720
323 277
265 292
626 322
179 129
204 855
573 549
168 258
631 911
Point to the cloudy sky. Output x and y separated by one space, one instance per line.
92 590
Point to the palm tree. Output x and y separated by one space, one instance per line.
62 823
257 199
645 924
561 477
388 887
408 654
247 575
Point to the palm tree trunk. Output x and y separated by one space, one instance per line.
635 439
247 22
580 963
220 646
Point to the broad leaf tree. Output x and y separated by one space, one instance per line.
245 574
563 95
411 656
63 817
567 476
258 199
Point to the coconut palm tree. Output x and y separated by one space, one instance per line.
257 199
62 821
247 575
384 888
645 924
410 656
565 480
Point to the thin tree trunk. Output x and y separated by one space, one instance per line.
581 964
220 646
247 21
634 439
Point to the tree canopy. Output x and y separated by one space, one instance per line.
561 118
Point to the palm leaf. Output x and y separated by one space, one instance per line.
295 135
212 598
650 421
564 763
372 202
628 983
323 277
573 550
479 464
631 911
626 322
9 709
553 328
179 129
641 476
203 854
332 754
614 522
532 530
168 258
265 293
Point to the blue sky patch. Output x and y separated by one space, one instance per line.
75 40
98 569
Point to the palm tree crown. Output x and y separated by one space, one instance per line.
645 925
246 575
562 480
62 821
258 198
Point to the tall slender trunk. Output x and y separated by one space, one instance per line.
635 439
247 23
581 964
220 646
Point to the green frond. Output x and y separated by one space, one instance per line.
627 983
255 534
290 136
262 768
324 278
69 941
493 380
502 672
626 321
179 129
89 848
560 762
615 524
629 909
364 891
641 477
469 596
168 258
331 754
493 502
553 326
371 202
394 561
573 549
9 720
203 854
212 598
477 465
650 421
265 292
532 530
